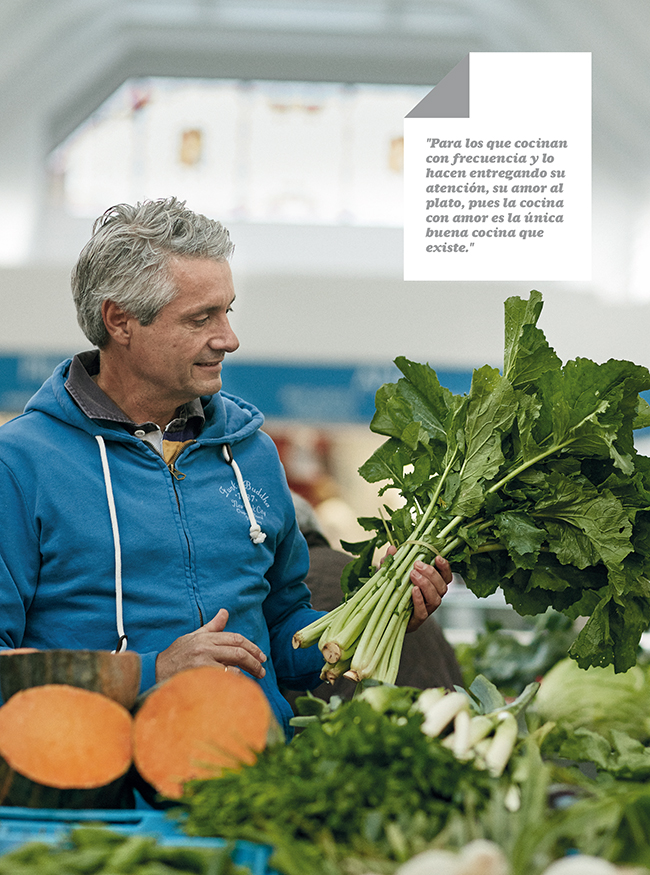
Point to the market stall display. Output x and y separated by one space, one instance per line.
370 784
530 483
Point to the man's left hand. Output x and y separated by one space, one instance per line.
430 583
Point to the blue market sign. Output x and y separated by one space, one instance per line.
306 393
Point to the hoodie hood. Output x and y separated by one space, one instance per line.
228 419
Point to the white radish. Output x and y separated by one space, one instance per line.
440 715
502 744
482 857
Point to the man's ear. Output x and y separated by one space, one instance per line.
117 322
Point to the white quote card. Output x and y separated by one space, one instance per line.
497 171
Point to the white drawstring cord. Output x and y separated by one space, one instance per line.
122 640
255 533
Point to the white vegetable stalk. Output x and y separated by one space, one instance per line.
502 745
583 864
479 857
428 698
467 735
480 727
487 739
512 800
460 746
440 714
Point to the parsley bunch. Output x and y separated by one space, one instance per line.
354 782
530 482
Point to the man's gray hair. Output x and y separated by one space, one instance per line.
126 260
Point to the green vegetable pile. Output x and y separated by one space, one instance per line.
530 482
582 773
96 850
603 773
363 788
511 664
355 782
593 759
596 699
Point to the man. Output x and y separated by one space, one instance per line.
143 507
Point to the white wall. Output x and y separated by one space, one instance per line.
336 294
288 317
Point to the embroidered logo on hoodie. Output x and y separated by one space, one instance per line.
258 498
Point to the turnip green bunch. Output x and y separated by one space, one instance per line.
530 482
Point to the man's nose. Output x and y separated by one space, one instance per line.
224 338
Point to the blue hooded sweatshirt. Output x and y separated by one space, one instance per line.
178 542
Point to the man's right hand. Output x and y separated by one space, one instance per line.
210 645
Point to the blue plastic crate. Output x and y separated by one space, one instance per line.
21 825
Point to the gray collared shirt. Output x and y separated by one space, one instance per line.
96 404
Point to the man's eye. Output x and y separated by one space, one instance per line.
199 322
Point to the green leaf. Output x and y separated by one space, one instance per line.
600 516
583 745
630 758
642 418
402 523
612 633
490 412
526 600
370 523
550 574
590 597
355 547
570 545
484 573
632 491
392 413
594 405
420 475
414 434
527 353
358 569
528 412
641 542
387 463
522 538
430 402
418 398
310 706
486 694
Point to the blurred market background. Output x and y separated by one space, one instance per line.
283 118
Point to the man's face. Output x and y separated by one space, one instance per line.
178 356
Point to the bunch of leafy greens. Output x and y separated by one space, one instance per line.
101 851
356 783
499 655
613 752
530 482
604 815
610 823
596 699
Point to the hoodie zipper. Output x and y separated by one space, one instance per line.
178 476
